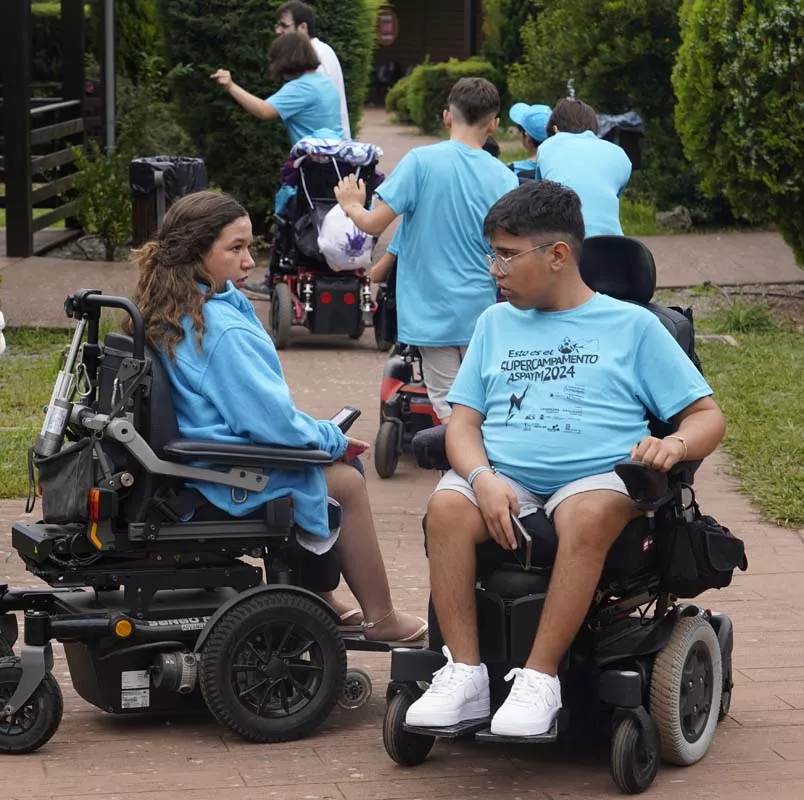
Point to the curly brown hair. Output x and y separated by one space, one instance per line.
173 281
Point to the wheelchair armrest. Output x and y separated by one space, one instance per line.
429 448
244 455
648 487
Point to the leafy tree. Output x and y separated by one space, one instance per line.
619 55
740 91
243 155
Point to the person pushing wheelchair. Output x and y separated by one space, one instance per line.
555 389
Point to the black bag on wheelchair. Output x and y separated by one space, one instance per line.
699 555
65 479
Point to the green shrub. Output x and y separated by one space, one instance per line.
396 101
503 24
103 187
429 86
620 57
242 154
147 123
740 96
741 317
139 34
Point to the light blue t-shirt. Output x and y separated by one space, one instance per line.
308 103
527 165
444 191
596 169
233 390
565 394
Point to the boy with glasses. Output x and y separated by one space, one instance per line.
555 389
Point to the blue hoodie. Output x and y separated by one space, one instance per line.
233 390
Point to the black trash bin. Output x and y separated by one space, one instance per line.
156 182
625 130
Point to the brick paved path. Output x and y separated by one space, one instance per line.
758 751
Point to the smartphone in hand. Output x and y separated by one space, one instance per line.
524 542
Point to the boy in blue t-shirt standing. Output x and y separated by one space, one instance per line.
444 192
595 169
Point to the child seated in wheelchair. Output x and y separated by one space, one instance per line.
228 385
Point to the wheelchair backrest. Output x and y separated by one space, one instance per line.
320 178
623 268
158 423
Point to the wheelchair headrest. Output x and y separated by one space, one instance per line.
620 267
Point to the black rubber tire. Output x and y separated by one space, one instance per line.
281 315
43 710
728 689
386 450
5 648
633 757
229 634
357 689
360 330
407 749
667 692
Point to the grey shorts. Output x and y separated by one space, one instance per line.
439 367
530 502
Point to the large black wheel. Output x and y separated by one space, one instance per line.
685 691
35 723
407 749
386 450
359 330
281 315
634 755
273 667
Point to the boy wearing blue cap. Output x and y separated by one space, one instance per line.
532 124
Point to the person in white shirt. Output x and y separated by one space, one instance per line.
300 17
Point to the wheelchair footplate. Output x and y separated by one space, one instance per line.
355 640
544 738
465 729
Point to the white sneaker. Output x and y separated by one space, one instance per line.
531 705
458 692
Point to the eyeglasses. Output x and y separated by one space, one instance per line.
283 26
503 264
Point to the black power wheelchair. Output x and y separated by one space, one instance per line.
304 290
652 673
149 591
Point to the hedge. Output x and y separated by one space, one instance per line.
243 155
422 96
740 100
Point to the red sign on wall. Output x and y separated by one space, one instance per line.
387 27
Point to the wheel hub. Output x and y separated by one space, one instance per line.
696 692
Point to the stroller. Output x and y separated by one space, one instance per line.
305 290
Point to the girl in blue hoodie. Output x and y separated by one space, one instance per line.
228 386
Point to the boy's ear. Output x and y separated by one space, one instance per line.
494 124
447 116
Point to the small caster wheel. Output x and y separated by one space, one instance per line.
386 449
356 690
37 720
634 756
407 749
725 706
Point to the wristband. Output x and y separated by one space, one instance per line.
682 440
476 471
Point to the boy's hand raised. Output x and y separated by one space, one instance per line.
350 191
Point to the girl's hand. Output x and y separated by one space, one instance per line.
223 77
354 448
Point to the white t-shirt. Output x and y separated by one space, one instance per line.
332 67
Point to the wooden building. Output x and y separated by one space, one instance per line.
411 30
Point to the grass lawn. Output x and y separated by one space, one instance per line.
27 372
760 387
